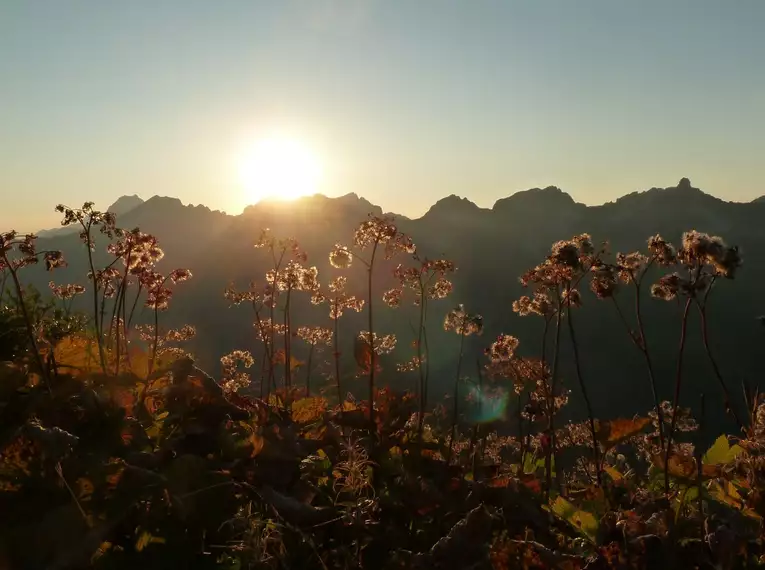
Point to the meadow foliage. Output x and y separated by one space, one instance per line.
118 451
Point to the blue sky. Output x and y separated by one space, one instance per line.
404 101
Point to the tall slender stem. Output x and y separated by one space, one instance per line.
99 339
551 400
287 347
337 356
371 338
649 365
676 401
27 322
455 405
582 386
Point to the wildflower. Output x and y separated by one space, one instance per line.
566 253
572 297
315 335
65 292
629 265
538 305
410 365
180 275
667 287
702 248
463 323
383 344
440 289
503 349
185 333
340 257
342 301
337 285
664 253
392 298
233 379
604 282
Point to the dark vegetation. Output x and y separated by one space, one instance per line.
296 451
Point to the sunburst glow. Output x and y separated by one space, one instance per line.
279 168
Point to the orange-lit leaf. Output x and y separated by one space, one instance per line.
308 410
613 432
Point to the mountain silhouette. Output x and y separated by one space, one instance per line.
491 247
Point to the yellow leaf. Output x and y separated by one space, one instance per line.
143 541
102 549
613 473
146 538
307 410
257 442
78 353
721 452
726 492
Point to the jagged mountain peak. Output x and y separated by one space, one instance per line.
124 204
536 198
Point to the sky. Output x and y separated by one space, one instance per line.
402 101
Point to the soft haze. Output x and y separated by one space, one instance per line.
403 101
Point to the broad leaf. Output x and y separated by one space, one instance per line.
613 432
583 521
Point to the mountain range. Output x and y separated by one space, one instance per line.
491 247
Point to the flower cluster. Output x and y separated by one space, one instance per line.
605 281
662 252
158 294
428 279
183 334
382 231
291 245
339 301
703 249
538 304
233 379
66 292
315 335
26 245
705 257
383 344
340 257
463 323
567 259
139 251
503 349
266 328
88 218
392 297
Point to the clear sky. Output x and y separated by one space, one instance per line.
403 101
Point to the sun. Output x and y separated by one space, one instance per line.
279 168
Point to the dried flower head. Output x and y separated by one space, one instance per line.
383 344
315 335
503 349
65 292
340 257
463 323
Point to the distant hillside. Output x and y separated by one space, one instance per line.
491 247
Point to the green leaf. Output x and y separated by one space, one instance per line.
721 452
581 520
